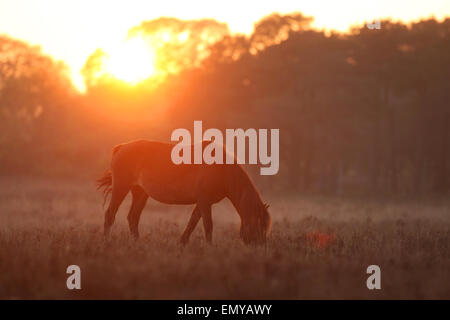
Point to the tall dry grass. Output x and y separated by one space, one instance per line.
319 248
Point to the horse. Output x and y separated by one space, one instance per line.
145 169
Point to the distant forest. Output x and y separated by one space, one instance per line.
363 112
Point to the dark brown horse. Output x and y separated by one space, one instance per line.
146 169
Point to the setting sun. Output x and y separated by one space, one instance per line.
132 61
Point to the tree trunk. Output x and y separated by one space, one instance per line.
376 150
308 144
441 182
420 145
392 166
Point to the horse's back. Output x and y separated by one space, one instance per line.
149 165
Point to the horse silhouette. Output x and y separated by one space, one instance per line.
146 169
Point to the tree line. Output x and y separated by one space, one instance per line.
360 112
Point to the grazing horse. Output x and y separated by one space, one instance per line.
146 169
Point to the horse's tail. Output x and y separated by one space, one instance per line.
104 182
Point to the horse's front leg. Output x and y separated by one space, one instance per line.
195 217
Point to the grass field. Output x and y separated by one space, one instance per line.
318 248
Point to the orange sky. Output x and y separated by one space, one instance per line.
72 30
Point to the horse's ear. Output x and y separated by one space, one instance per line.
266 205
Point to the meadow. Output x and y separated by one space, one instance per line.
319 248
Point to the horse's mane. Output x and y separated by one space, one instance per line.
250 197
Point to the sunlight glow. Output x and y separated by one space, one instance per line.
65 38
131 61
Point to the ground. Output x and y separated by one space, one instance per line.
319 248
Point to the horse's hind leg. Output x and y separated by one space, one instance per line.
205 210
118 194
195 217
138 204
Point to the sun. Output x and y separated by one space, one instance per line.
131 61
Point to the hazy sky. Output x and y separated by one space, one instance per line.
72 30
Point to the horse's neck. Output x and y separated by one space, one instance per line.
242 193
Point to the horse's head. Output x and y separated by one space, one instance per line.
256 227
